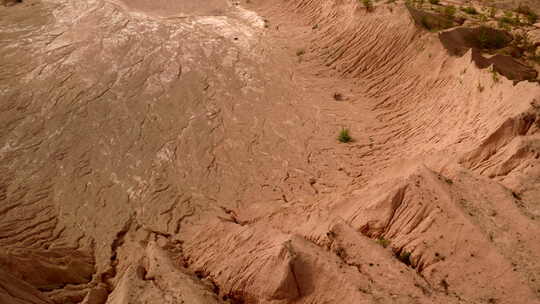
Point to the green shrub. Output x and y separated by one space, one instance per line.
383 242
521 40
504 26
450 11
469 10
483 19
532 17
368 4
433 23
507 20
495 76
344 136
490 39
405 257
425 23
517 19
492 12
435 2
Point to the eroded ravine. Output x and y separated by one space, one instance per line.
165 152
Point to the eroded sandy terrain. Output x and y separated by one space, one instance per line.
180 152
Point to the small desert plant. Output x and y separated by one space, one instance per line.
368 4
444 284
469 10
523 42
433 23
492 12
494 75
425 23
490 39
405 257
523 9
344 136
480 88
435 2
532 17
482 18
517 19
300 52
450 11
504 24
506 21
383 242
508 18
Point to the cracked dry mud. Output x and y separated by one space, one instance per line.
186 152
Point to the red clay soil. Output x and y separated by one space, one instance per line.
159 152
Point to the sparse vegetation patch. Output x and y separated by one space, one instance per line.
450 11
344 136
404 257
488 38
480 88
492 12
470 10
531 16
383 242
494 75
368 4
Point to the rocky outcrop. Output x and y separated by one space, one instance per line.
459 40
